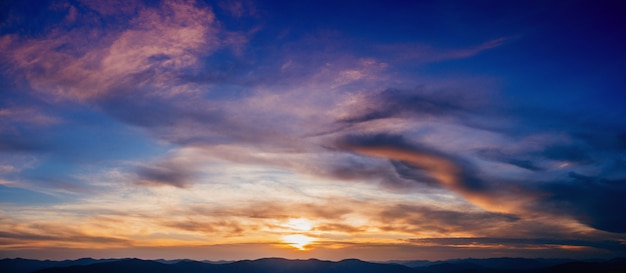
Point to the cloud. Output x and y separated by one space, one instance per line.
137 70
449 172
532 144
423 54
237 8
417 103
159 42
16 115
227 228
335 227
498 155
271 210
19 125
165 117
518 242
164 175
592 200
568 153
542 152
423 219
61 235
180 168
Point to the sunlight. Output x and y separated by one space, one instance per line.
298 241
300 224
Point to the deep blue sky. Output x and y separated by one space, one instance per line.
329 129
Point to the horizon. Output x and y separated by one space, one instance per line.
316 259
242 129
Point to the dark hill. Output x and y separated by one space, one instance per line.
26 265
612 266
464 267
516 263
278 265
270 265
122 266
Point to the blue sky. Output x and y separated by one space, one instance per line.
359 129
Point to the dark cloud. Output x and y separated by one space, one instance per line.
594 201
379 172
585 136
530 158
409 172
165 174
567 153
515 160
416 103
415 161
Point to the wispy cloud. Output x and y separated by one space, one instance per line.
159 41
33 234
238 8
486 242
424 54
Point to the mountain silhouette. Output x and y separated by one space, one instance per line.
612 266
280 265
268 265
464 267
19 265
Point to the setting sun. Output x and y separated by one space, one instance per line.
298 241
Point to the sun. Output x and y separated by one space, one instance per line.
298 241
293 228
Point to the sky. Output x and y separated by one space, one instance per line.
377 130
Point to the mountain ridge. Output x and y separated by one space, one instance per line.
282 265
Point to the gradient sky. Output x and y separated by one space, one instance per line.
331 129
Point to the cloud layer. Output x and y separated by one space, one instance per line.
186 124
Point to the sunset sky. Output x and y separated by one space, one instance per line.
377 130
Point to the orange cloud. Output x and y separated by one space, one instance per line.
450 173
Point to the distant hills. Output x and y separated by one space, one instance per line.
279 265
26 266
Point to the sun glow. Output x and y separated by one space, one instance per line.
299 224
298 241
